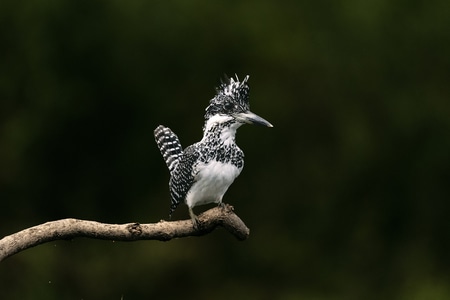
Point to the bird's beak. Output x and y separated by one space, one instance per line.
251 118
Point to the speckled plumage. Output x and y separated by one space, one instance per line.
202 172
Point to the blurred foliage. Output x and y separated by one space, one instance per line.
346 197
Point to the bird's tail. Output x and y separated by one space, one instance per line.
169 145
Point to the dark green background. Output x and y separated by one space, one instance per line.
346 197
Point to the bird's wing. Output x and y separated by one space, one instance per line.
183 176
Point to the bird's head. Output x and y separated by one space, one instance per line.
231 104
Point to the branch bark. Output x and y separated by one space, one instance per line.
163 231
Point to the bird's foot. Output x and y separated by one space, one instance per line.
225 207
195 221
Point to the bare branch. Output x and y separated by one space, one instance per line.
163 231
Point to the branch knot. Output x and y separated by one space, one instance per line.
135 229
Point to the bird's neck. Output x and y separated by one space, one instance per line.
221 128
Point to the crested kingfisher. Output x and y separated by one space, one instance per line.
202 172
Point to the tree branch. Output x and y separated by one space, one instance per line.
163 231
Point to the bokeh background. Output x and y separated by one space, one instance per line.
346 197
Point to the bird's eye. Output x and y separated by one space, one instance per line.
228 105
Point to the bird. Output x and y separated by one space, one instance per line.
202 172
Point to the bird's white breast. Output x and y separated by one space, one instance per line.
211 182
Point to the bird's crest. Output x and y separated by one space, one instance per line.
234 88
230 91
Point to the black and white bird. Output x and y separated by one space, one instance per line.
202 172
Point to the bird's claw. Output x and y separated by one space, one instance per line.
196 223
195 220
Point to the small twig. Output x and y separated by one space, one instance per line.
163 231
